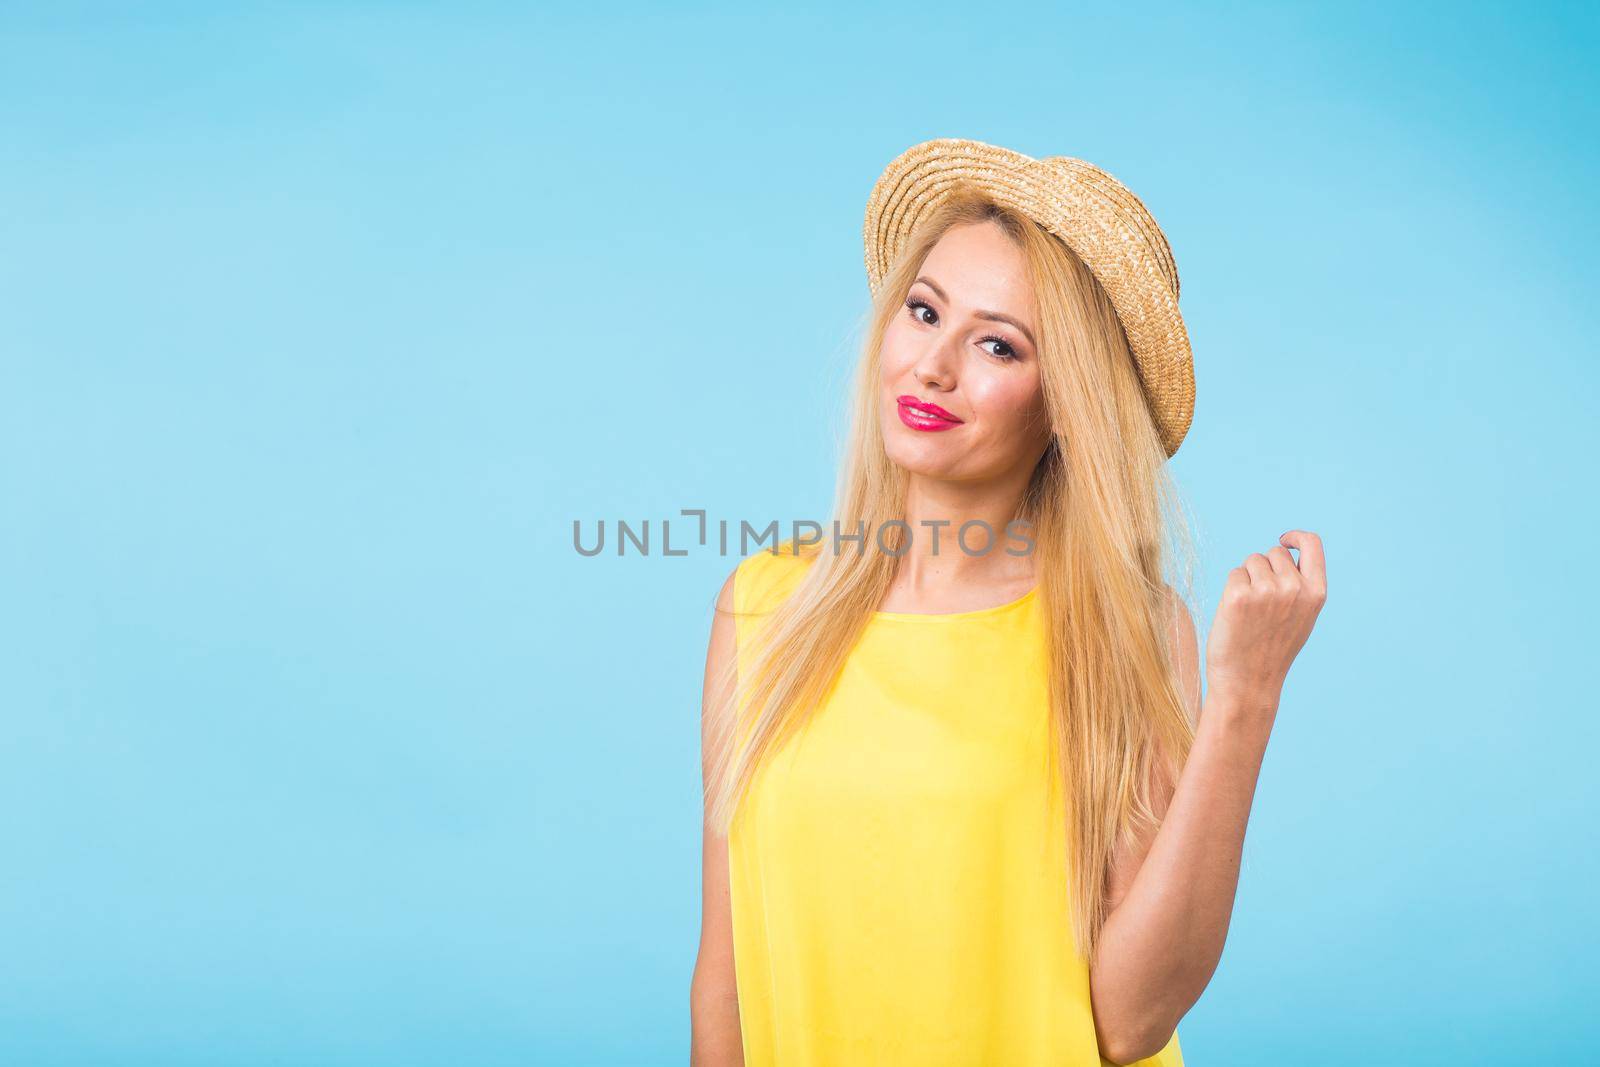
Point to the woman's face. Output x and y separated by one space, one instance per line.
964 346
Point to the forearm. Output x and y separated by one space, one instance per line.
714 1036
1160 946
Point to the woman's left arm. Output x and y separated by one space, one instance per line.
1171 894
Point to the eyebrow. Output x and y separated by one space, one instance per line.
993 315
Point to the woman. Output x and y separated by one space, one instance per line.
962 804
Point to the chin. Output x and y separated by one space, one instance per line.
927 455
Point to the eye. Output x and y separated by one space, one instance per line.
1007 355
916 306
913 304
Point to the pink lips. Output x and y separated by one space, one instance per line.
925 416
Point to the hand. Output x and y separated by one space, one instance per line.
1267 610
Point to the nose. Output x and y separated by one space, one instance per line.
936 366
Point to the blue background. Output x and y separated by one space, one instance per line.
320 324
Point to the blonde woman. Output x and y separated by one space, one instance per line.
963 805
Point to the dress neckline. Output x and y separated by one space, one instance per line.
955 616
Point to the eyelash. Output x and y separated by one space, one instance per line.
913 303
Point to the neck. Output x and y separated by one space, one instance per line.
936 511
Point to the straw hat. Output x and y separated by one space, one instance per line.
1098 218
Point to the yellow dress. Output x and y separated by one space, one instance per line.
897 871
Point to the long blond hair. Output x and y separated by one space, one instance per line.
1102 510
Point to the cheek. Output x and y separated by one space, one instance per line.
898 353
1005 400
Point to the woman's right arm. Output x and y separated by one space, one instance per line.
715 1039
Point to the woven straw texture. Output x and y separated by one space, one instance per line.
1099 219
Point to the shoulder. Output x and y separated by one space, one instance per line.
1179 617
765 577
1185 650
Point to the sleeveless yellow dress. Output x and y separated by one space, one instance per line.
897 870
